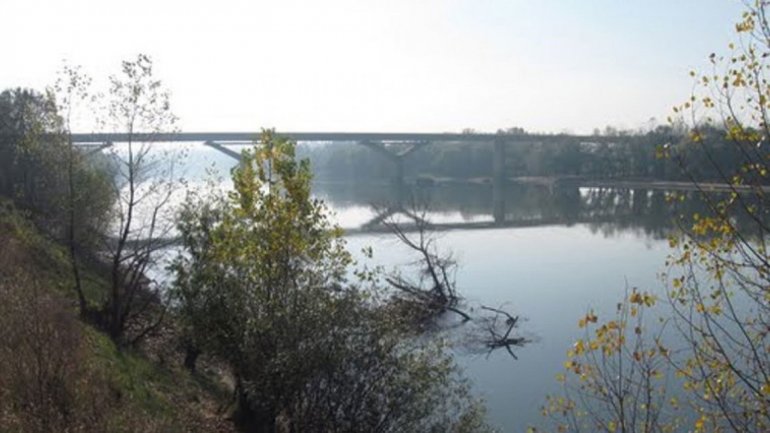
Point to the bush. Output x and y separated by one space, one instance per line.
262 285
46 383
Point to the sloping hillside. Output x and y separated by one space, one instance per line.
61 374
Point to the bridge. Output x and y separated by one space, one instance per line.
394 146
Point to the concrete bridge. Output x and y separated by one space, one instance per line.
394 146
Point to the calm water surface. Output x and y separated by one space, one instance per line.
550 275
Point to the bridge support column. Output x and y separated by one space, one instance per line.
398 179
498 181
397 155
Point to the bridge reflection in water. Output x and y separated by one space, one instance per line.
562 200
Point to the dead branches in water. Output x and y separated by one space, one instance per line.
497 339
433 292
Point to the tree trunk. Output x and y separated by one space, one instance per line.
251 418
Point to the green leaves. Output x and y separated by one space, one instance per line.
264 288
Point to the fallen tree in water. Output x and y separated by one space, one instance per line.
496 339
433 292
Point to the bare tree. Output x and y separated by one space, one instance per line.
138 106
71 90
502 339
434 292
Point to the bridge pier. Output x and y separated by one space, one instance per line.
231 153
498 181
398 180
396 157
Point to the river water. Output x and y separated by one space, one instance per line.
559 252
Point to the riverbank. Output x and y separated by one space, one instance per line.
100 388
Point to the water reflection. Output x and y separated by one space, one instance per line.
468 205
546 252
608 211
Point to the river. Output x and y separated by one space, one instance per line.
558 253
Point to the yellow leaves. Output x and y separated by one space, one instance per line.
745 25
589 318
593 345
738 81
573 366
700 424
674 402
765 389
715 309
579 347
673 241
642 299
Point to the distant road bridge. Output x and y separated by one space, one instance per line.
395 146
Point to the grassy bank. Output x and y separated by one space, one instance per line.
62 374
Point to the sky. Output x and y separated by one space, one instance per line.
383 66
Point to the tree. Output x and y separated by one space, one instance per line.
719 280
435 291
67 200
616 377
262 285
139 107
28 163
720 286
87 199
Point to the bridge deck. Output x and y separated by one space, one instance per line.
333 136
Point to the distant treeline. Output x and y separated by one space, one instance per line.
623 155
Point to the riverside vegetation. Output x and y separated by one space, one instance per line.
268 326
703 365
261 292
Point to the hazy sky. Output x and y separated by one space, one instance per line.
389 65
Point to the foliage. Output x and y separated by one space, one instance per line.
28 165
46 384
616 377
262 285
85 206
720 281
138 106
719 267
60 374
630 155
32 148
